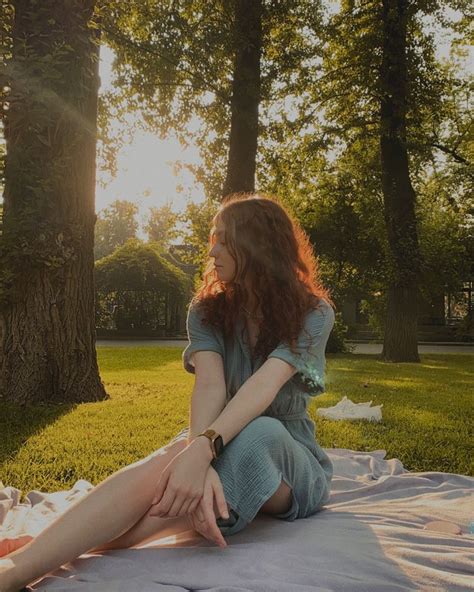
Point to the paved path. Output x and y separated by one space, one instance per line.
431 348
359 348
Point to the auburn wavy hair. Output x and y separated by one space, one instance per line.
273 257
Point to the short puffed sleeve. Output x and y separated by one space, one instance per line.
201 337
309 358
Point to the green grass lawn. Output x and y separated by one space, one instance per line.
427 414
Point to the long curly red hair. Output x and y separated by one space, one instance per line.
274 256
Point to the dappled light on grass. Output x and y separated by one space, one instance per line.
148 406
426 418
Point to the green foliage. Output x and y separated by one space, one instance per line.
181 69
135 287
47 247
324 158
318 144
197 220
161 226
336 342
446 238
114 226
340 207
374 306
137 266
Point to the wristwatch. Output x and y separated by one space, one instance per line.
217 444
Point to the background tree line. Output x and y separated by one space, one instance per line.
344 111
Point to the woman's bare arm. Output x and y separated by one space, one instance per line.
253 397
209 392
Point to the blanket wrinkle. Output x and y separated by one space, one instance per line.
370 537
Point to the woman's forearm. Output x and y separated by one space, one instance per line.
206 405
245 406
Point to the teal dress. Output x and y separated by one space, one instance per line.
279 444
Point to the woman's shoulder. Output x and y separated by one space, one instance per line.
198 305
195 311
198 316
319 319
322 308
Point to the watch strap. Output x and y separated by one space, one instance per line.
211 435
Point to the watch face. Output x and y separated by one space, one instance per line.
218 445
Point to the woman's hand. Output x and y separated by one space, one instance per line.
181 483
203 519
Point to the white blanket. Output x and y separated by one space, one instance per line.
371 537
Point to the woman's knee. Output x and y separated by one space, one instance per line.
263 429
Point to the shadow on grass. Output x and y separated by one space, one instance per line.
18 423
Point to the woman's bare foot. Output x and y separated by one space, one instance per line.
9 545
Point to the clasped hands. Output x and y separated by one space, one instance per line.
190 485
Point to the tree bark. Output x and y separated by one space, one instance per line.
240 176
47 336
400 336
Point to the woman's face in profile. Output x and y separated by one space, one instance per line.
223 260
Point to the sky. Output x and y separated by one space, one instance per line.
145 166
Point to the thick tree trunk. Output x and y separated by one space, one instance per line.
47 336
240 175
400 338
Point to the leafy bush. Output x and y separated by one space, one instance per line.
138 289
336 342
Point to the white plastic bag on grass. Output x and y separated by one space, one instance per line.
346 409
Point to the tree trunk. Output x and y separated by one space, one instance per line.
240 176
400 337
47 336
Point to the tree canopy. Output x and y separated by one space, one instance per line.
136 266
347 112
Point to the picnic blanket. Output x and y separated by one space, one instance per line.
370 537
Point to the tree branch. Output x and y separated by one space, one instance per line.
206 85
457 157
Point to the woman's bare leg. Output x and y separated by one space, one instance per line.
107 512
146 529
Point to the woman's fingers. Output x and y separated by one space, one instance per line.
220 500
161 487
199 527
210 531
162 507
210 520
200 513
176 507
204 518
193 506
186 508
